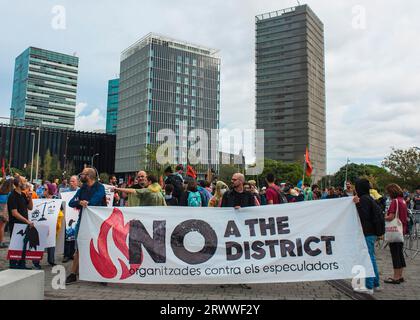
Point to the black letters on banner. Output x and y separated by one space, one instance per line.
232 230
194 258
155 246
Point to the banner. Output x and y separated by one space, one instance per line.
109 195
307 241
36 242
72 215
45 213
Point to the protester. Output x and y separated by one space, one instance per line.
92 193
331 193
176 180
113 181
205 194
63 186
398 208
69 243
248 188
151 196
140 183
18 206
416 200
5 189
368 210
192 198
317 195
273 193
171 201
254 190
180 172
349 192
50 193
308 193
216 200
263 196
238 197
339 192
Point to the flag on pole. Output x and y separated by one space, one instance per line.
308 164
191 172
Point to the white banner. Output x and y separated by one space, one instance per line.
308 241
36 242
45 212
72 215
109 195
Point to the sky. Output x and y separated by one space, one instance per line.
372 59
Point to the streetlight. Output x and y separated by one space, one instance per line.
33 151
39 145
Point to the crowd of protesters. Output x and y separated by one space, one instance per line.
179 189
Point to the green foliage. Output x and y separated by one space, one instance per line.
285 172
405 165
226 171
104 177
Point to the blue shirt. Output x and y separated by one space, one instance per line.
95 196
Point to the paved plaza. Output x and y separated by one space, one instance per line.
289 291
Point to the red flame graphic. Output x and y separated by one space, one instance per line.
101 259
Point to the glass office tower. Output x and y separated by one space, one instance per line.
291 85
44 89
166 84
112 106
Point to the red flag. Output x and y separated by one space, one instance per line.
191 172
129 181
3 170
309 168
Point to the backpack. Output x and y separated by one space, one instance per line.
378 218
281 196
194 199
205 196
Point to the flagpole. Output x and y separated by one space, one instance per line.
304 169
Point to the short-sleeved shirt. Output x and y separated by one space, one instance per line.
272 194
17 202
402 211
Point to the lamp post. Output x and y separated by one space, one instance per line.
39 145
347 164
33 151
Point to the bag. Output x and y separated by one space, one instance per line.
394 230
194 199
281 196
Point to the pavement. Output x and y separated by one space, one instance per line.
290 291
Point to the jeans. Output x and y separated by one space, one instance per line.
69 249
372 282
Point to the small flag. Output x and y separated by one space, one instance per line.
191 172
308 164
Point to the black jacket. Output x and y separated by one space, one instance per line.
234 199
366 208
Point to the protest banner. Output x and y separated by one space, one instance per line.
35 246
109 195
45 212
308 241
72 215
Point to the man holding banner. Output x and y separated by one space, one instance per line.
18 205
92 193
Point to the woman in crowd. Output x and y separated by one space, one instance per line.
398 208
216 200
5 189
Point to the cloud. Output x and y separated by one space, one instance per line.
90 121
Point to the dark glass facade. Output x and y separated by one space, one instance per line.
112 106
290 86
74 147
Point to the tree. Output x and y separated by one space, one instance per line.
284 172
356 171
405 165
104 177
47 165
226 171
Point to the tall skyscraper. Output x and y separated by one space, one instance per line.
44 89
166 84
291 85
112 109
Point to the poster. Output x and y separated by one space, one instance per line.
307 241
35 246
45 213
72 215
